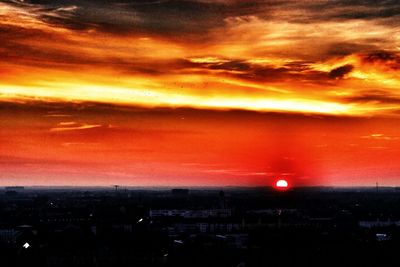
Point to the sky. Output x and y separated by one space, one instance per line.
200 92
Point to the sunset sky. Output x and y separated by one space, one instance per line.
201 92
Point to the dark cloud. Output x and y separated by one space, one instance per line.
340 72
43 110
300 71
35 56
196 16
130 16
380 56
339 49
386 58
386 11
374 96
190 21
232 65
283 74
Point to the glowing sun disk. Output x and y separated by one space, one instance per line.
282 184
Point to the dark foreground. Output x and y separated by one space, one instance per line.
208 227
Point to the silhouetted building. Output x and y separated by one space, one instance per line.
180 192
14 188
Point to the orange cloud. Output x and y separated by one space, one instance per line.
241 61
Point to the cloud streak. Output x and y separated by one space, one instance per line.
73 127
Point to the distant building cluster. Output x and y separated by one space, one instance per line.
206 213
179 227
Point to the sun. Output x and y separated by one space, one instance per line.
282 184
